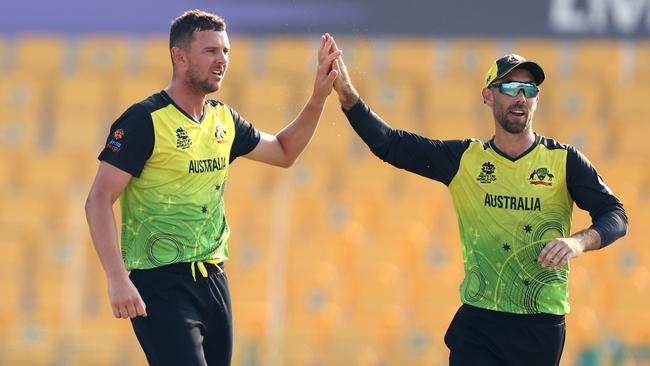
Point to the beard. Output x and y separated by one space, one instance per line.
513 126
199 84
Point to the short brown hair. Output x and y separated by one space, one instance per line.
183 27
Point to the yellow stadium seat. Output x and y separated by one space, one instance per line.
81 114
10 264
269 102
545 52
595 60
467 59
630 101
5 54
405 57
22 101
357 54
19 132
130 90
400 102
641 60
241 57
156 59
455 111
103 54
331 142
31 50
314 297
40 351
285 56
576 114
628 119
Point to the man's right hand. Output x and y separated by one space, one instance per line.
125 298
348 95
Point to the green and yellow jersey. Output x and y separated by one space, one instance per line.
507 209
173 207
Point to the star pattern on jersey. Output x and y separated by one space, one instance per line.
169 203
528 228
204 210
217 187
506 247
526 282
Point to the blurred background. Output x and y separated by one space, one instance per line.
342 259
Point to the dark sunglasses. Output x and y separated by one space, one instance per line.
512 88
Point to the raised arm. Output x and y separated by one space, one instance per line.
284 148
435 159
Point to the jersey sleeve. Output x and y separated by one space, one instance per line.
435 159
246 136
130 141
590 193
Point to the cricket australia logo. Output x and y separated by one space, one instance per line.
487 173
220 134
541 176
182 139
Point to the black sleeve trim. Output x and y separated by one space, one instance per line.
611 226
131 141
435 159
246 136
590 193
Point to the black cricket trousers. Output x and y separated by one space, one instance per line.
189 322
491 338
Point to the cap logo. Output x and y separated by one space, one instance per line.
512 59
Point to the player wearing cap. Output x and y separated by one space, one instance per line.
513 197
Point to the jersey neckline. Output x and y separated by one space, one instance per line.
199 122
506 156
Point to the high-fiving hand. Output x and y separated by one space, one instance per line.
326 73
348 96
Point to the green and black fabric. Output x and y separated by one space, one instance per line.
507 209
173 207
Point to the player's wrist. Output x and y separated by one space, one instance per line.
348 97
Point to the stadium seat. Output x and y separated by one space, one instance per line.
30 50
358 55
577 114
23 105
6 55
106 55
641 70
597 60
81 114
155 57
545 52
270 103
399 100
279 55
628 118
466 59
243 58
389 57
455 111
131 89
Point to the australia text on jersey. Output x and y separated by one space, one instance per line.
513 203
207 165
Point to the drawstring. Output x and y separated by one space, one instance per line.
202 270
